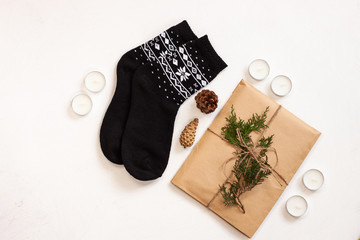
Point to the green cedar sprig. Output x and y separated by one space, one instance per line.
247 171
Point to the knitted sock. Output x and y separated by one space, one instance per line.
158 89
117 113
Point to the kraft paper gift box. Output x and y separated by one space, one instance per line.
202 172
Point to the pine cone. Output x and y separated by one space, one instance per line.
206 101
187 136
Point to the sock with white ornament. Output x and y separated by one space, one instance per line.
115 118
158 90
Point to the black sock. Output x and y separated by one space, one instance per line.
115 118
158 89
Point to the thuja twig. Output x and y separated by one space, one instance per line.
251 166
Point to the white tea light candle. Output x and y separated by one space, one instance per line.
81 104
281 85
95 81
296 206
313 179
259 69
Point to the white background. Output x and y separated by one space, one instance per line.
55 182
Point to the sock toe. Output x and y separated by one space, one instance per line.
140 165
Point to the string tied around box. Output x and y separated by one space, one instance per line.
247 152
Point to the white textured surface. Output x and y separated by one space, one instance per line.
56 184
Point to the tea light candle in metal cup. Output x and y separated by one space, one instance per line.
281 85
313 179
296 206
259 69
95 81
81 104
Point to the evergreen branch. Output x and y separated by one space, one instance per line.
248 170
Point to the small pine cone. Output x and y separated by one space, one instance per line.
206 101
187 136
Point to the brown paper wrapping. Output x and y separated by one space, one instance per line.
202 172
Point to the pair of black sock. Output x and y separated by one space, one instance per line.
153 80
